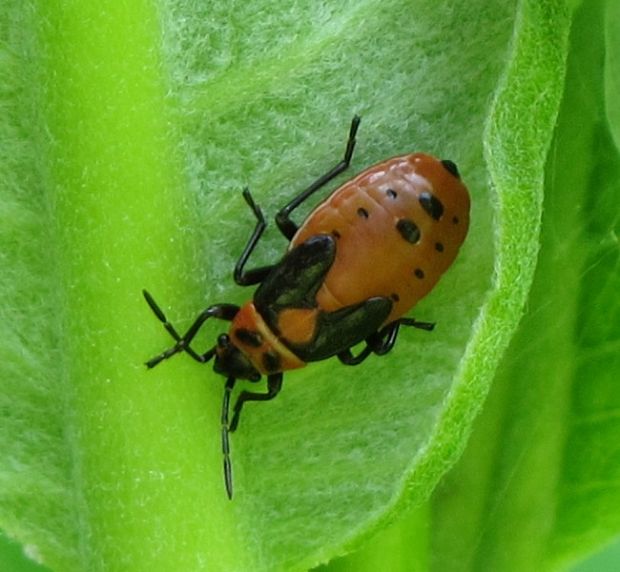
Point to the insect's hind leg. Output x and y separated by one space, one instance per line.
383 341
242 276
386 338
287 227
380 343
347 357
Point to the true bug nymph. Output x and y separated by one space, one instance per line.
359 262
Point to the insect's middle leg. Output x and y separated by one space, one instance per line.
274 384
242 276
283 220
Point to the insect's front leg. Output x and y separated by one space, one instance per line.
274 384
221 311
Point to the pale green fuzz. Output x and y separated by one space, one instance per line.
126 136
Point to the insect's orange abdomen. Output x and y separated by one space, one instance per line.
398 225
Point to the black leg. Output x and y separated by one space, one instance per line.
428 326
379 343
230 384
248 277
382 341
274 384
221 311
347 357
386 338
285 224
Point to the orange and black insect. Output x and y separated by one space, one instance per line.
360 261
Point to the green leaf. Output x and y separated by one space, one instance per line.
606 559
538 485
612 67
14 559
127 137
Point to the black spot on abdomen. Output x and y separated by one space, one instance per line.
408 230
451 167
431 204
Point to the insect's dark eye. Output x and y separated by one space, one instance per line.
451 167
223 340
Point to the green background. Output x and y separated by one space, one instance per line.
127 132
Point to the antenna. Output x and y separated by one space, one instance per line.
230 384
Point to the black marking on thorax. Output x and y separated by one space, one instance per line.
249 337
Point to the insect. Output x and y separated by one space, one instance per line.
359 262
